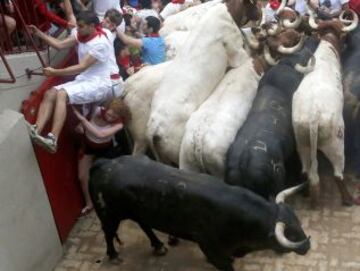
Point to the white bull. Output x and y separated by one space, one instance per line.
174 42
317 111
211 47
139 90
212 128
186 19
317 118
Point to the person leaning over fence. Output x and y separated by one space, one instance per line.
7 21
92 84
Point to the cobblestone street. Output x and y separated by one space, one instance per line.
334 231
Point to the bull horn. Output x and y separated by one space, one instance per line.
289 24
290 50
280 198
280 237
282 6
354 22
252 41
312 21
308 68
263 16
268 58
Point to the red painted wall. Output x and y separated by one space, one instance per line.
59 171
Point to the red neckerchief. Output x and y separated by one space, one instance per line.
153 35
124 61
103 116
98 32
178 1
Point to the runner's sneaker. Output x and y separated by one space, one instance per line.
49 142
32 129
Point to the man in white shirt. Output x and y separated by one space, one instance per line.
101 6
112 20
92 84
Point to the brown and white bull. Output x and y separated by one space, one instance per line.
317 110
213 45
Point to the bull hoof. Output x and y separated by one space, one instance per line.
161 251
116 261
350 202
173 241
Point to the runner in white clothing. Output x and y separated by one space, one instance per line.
101 6
91 85
111 21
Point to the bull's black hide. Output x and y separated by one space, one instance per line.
225 221
351 80
257 158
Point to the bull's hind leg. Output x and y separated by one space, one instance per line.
334 151
218 257
159 248
110 227
303 150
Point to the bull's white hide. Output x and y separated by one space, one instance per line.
213 127
200 65
139 90
174 42
317 114
186 19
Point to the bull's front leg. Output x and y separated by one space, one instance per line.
218 257
159 248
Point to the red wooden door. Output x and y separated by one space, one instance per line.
59 171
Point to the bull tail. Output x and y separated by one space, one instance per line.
118 239
155 145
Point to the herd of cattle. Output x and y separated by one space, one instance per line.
242 108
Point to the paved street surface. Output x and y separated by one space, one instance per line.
334 230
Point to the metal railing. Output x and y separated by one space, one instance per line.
21 40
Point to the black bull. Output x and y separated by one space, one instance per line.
225 221
351 82
258 157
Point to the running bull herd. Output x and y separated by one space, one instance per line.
225 118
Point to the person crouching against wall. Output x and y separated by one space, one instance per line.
98 136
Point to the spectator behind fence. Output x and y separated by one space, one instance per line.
91 85
6 20
46 16
152 45
98 139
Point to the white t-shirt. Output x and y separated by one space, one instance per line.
300 6
99 48
269 14
113 67
172 8
143 13
101 6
